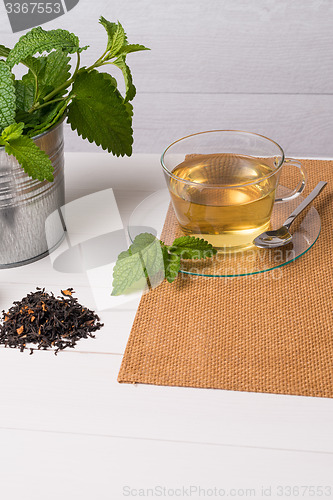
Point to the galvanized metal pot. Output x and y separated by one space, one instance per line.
25 204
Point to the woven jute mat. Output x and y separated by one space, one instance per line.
247 333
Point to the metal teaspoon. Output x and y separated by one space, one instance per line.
281 236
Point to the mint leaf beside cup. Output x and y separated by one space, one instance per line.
149 258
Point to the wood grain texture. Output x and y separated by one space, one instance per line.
78 393
260 65
302 124
257 46
80 467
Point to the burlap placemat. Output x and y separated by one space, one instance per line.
251 333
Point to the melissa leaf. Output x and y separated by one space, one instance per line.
38 40
116 36
55 72
130 89
34 161
129 48
151 258
4 51
98 113
171 265
25 90
7 96
189 247
143 259
13 131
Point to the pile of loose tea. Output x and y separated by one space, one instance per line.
49 322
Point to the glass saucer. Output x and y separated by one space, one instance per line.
150 214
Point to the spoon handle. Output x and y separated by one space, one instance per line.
314 193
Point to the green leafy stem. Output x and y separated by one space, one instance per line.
90 99
149 259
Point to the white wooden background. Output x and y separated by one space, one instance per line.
257 65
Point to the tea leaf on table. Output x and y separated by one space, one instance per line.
98 113
189 247
34 161
39 40
7 96
171 265
143 259
141 241
148 257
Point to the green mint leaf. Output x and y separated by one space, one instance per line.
171 265
127 271
39 40
150 258
98 113
4 51
25 90
30 120
141 241
189 247
12 132
116 36
34 161
48 117
51 72
55 72
134 47
144 259
130 89
7 96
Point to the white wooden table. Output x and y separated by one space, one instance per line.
68 430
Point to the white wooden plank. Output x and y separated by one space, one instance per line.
133 178
79 393
244 46
303 125
53 466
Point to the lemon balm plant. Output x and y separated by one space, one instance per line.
56 85
51 89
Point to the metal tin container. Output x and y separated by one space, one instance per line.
25 204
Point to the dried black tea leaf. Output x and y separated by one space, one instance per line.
47 321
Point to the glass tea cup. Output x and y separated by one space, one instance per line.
223 184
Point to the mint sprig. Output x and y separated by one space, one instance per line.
34 161
52 88
149 258
116 36
7 96
89 113
38 41
4 51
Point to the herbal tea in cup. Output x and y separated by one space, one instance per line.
223 185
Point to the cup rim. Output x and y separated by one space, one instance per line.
214 185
